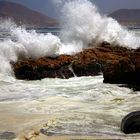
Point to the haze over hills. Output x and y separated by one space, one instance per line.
23 15
130 17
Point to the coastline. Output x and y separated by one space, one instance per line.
43 137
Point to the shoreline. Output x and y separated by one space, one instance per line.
72 137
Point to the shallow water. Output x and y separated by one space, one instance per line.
75 106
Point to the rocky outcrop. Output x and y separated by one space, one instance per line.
64 66
125 70
44 67
118 64
131 123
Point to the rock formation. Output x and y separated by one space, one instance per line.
118 64
131 123
125 70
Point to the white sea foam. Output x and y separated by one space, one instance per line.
82 24
27 44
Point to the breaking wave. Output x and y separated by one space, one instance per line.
81 24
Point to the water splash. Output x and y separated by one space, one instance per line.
82 24
24 44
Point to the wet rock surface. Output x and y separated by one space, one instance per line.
118 65
7 135
131 123
125 70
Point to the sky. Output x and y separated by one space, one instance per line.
105 6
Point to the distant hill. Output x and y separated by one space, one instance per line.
23 15
127 16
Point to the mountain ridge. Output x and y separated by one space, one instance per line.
127 16
22 15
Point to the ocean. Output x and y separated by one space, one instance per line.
75 106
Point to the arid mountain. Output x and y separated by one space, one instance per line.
127 16
23 15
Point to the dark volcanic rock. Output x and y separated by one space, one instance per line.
118 64
126 70
64 66
120 71
131 123
44 67
86 63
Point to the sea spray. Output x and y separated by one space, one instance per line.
37 45
81 24
22 44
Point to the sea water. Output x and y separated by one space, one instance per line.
75 106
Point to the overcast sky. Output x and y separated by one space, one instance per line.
105 6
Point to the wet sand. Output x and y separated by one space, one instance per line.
73 138
43 137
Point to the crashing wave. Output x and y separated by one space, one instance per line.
82 24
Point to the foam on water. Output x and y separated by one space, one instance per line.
82 24
79 105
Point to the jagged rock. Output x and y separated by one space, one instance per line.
86 63
64 66
118 64
126 70
120 71
44 67
131 123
